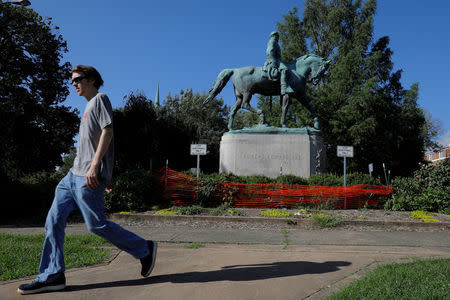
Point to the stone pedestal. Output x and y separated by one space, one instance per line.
245 153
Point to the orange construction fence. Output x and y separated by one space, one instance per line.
179 189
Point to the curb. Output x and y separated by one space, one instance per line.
263 220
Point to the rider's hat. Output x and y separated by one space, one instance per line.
274 33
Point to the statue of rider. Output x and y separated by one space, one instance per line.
274 66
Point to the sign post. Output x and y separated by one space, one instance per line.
198 149
370 169
345 151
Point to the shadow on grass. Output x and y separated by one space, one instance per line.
227 273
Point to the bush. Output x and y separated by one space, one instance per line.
428 190
361 178
325 220
221 209
29 197
133 190
258 179
188 210
207 191
325 180
434 176
292 179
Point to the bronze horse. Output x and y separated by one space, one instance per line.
252 80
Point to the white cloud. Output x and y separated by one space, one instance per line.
445 139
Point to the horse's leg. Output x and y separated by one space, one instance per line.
284 108
246 105
310 107
234 110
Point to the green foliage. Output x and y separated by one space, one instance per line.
236 212
361 178
207 123
423 215
325 220
208 120
195 245
292 37
326 179
207 191
167 212
434 176
35 129
261 179
360 101
221 209
133 190
188 210
28 197
21 253
183 117
67 163
274 213
292 179
422 279
428 190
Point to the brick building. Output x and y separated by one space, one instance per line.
437 157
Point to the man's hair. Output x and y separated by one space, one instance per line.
90 73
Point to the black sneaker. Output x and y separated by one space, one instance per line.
148 262
56 284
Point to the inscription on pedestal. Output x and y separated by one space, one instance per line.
265 154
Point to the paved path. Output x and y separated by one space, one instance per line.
241 264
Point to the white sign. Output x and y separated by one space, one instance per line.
345 151
198 149
370 168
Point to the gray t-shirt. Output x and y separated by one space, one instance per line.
97 115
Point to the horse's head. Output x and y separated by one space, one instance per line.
313 67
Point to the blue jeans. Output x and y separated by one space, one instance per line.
72 193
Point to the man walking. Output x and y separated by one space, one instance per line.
83 188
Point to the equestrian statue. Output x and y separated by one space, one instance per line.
275 78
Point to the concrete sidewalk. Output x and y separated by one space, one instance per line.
243 264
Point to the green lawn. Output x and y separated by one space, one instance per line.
423 279
20 254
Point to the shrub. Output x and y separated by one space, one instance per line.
28 197
166 212
221 209
236 212
325 180
428 190
207 191
260 179
361 178
274 213
325 220
434 176
292 179
188 210
133 190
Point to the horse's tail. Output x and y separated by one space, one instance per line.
219 84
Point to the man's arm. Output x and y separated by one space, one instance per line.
103 145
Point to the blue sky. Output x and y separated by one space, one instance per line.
185 44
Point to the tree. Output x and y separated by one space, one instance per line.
143 131
34 128
208 120
135 133
361 101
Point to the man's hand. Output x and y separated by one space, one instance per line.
92 177
109 186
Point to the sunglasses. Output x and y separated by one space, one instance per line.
78 79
